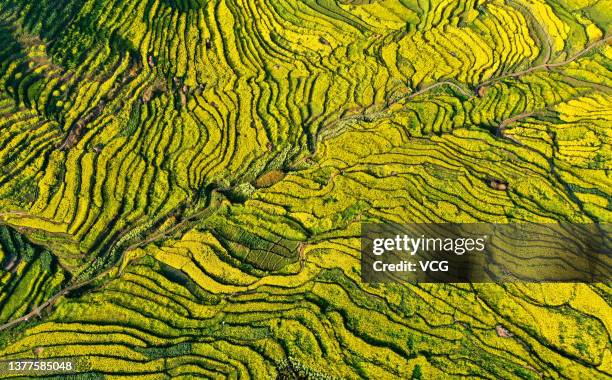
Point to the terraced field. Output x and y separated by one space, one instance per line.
182 183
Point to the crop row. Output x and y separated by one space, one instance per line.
332 323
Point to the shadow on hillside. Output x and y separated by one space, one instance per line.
185 5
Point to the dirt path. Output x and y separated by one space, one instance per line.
546 65
36 311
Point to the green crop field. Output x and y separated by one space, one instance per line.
183 183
